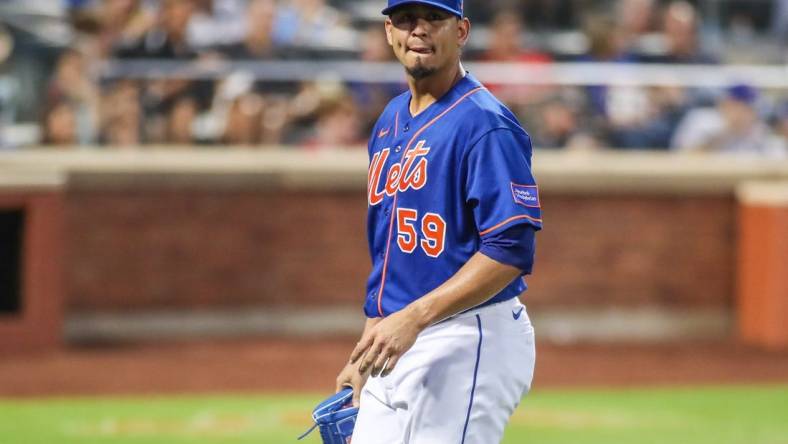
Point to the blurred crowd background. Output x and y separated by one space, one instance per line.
63 81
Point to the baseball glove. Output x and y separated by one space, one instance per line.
335 417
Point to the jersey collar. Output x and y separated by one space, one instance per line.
465 84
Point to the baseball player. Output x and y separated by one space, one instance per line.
452 213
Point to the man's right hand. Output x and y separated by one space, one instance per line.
350 377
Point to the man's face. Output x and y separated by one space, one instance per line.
740 116
176 15
426 39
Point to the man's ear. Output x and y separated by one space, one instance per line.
463 31
387 24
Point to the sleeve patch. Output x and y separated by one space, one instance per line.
526 195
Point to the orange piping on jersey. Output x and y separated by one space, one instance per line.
507 221
394 204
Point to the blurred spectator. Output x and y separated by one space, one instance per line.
337 125
646 120
239 109
123 23
637 20
680 24
168 39
217 22
7 88
780 27
59 124
638 117
121 115
243 116
636 17
605 41
732 127
257 43
244 121
289 118
180 119
170 105
557 123
83 14
781 120
505 44
744 18
72 88
111 25
374 46
779 142
371 98
276 117
311 23
538 14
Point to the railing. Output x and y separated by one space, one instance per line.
575 73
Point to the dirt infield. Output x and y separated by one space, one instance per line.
286 365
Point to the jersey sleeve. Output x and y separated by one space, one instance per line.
513 246
499 186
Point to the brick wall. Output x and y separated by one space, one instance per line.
182 248
633 250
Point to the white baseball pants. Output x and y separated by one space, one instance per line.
459 383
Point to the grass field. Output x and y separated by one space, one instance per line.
720 415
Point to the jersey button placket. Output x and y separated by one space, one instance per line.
386 213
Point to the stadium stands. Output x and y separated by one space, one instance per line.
311 74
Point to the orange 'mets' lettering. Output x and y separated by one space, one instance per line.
411 174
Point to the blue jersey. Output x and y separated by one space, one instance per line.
438 184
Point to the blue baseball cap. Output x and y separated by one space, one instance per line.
452 6
743 92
